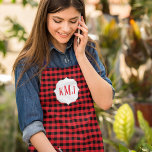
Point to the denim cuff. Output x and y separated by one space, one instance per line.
31 129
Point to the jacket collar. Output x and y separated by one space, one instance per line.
69 44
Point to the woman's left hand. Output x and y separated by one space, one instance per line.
80 48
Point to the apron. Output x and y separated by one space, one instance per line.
68 112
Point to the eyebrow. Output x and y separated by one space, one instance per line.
63 19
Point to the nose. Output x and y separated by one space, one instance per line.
66 27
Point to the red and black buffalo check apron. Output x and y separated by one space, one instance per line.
68 113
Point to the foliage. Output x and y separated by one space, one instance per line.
3 51
124 149
16 30
110 43
20 145
144 148
135 53
138 52
3 47
105 119
8 124
140 7
10 136
124 124
122 128
140 88
32 3
109 36
145 127
105 6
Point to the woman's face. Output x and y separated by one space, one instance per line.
63 24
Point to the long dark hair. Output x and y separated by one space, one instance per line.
36 49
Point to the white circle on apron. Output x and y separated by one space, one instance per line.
66 91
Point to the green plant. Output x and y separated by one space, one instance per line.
138 53
32 3
3 51
135 53
109 36
3 44
140 7
124 149
124 128
2 68
140 88
16 30
145 127
10 135
3 47
105 6
124 124
144 148
8 123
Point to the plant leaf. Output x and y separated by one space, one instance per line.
16 30
32 3
145 127
3 47
123 148
124 123
145 148
112 143
13 1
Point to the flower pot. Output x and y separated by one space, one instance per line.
146 109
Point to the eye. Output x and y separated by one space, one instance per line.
57 21
73 22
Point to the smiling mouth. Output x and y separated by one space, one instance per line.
63 35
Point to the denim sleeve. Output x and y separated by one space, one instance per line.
31 129
102 70
30 114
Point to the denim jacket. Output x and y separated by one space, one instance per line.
30 113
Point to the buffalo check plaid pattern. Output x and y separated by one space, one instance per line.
73 127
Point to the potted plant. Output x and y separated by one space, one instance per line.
125 130
138 57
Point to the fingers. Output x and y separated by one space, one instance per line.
79 35
83 27
82 23
83 38
84 35
84 30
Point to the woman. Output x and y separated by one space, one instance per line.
57 81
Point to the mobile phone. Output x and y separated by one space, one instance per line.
60 150
78 41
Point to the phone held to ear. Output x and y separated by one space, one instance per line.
78 41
